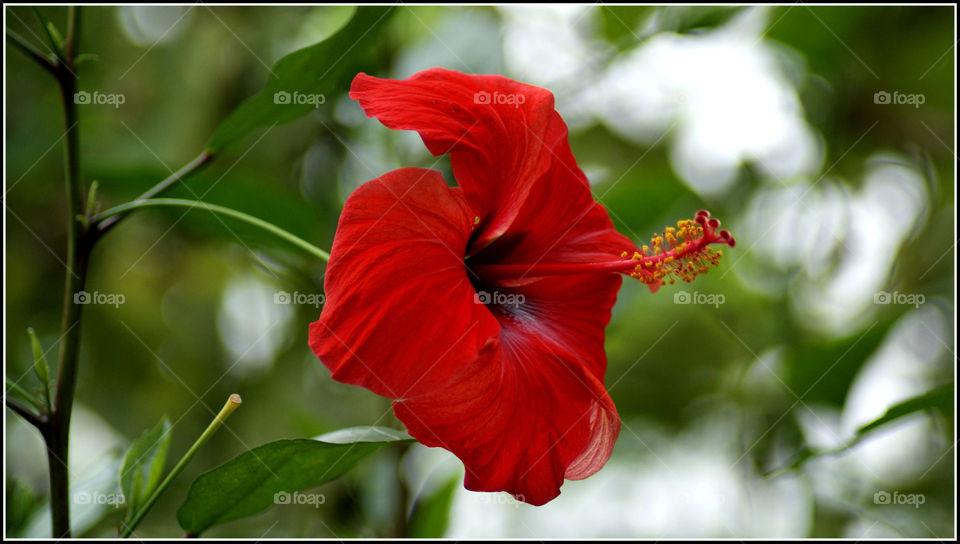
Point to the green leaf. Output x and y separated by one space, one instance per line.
92 199
250 483
320 23
940 398
431 513
363 434
55 37
143 465
84 57
40 367
312 72
21 504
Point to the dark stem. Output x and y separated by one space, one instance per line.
59 429
79 245
55 426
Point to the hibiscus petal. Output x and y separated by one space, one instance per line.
493 128
400 316
560 221
532 410
519 421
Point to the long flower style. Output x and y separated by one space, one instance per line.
481 308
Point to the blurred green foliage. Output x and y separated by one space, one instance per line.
163 350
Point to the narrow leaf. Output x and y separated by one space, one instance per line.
40 367
941 397
143 465
266 475
55 38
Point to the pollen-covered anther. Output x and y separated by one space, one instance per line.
681 252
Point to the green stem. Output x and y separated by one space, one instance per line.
213 208
43 60
73 29
232 404
190 168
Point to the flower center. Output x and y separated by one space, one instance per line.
681 252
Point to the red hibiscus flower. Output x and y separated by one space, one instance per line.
481 308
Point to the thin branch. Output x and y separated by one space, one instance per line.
37 420
14 386
190 168
214 208
23 45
